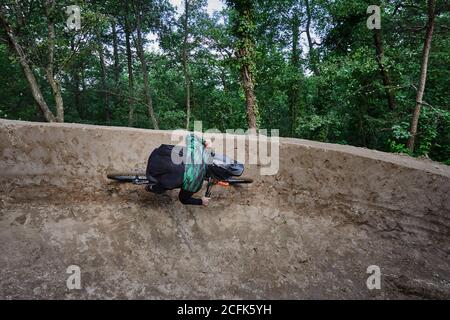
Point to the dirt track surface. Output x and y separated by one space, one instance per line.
310 231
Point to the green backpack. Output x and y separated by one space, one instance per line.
194 163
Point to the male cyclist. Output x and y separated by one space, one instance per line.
188 174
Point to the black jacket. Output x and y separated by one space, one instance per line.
169 174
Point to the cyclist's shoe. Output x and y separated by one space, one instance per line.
154 188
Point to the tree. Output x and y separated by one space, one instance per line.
383 71
313 57
185 58
295 82
431 4
243 29
51 76
128 31
105 90
37 33
139 12
115 40
24 62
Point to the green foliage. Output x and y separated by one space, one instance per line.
317 127
345 101
400 135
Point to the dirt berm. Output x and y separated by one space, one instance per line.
310 231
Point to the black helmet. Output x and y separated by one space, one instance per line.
222 167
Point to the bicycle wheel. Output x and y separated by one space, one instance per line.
127 177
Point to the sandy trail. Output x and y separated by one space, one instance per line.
310 231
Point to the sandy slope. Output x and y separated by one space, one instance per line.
310 231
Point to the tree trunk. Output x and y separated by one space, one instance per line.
116 60
82 69
384 74
77 95
103 82
248 85
244 29
34 86
187 80
76 83
52 80
130 73
313 58
423 73
140 51
295 62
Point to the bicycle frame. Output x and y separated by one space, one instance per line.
141 179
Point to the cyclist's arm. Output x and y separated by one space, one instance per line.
185 197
